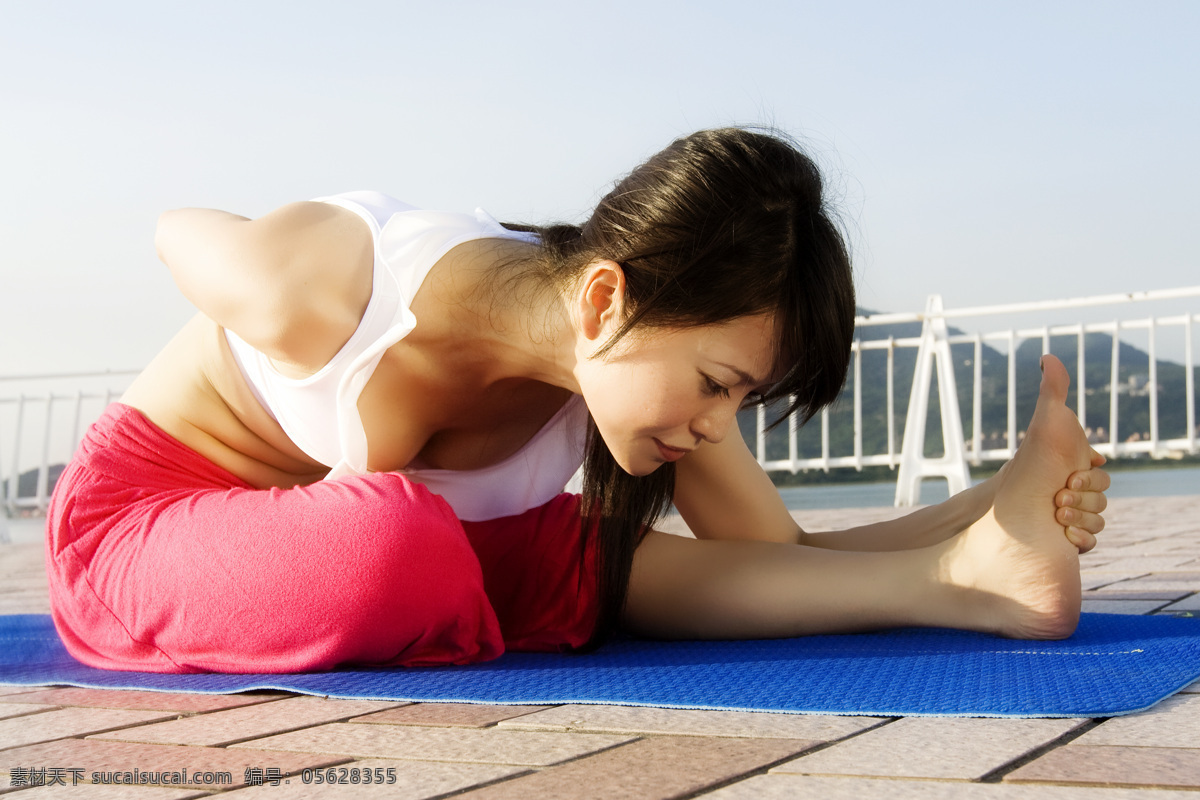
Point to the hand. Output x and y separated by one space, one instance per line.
1080 503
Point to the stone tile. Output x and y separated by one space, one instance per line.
1092 582
448 715
487 746
1176 576
933 747
662 767
1136 607
251 722
96 756
1175 545
682 722
1114 593
412 780
89 791
1115 578
1191 603
23 558
17 731
1163 583
1167 767
27 602
22 582
7 690
149 701
8 710
1147 564
1175 722
790 787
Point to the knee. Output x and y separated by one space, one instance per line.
392 526
409 580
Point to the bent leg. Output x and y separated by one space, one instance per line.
1012 572
538 575
160 561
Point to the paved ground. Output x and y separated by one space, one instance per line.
1149 562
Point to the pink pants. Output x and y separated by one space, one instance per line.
161 561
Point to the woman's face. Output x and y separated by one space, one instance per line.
661 393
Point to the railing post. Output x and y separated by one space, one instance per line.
14 477
1114 394
1152 354
760 434
858 421
793 440
43 471
977 401
891 401
1189 384
952 464
1081 379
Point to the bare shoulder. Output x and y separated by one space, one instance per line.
293 283
723 493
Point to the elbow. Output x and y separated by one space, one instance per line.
162 235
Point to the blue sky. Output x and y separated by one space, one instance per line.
992 152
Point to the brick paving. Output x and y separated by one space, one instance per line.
1148 563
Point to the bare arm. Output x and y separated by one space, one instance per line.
293 283
1077 508
722 493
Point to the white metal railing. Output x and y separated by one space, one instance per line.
42 419
41 426
934 358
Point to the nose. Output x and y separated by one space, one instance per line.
714 421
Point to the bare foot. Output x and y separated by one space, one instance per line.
1017 556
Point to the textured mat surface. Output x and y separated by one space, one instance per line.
1113 665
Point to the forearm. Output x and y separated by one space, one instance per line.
922 528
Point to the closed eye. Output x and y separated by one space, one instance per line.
714 389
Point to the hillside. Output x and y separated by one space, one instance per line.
1133 399
1132 396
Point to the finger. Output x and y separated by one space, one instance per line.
1085 501
1081 539
1098 460
1086 521
1089 480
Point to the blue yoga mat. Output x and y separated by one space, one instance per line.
1112 665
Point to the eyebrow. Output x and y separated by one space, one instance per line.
746 378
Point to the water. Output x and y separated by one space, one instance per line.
1132 483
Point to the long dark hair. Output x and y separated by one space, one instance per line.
721 224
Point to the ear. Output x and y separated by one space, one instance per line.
600 302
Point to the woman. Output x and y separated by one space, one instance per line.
356 452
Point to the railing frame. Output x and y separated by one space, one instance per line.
11 501
933 358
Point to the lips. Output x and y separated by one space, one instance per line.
670 453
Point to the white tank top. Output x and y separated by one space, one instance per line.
320 412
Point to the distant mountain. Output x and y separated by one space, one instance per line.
27 482
1132 394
